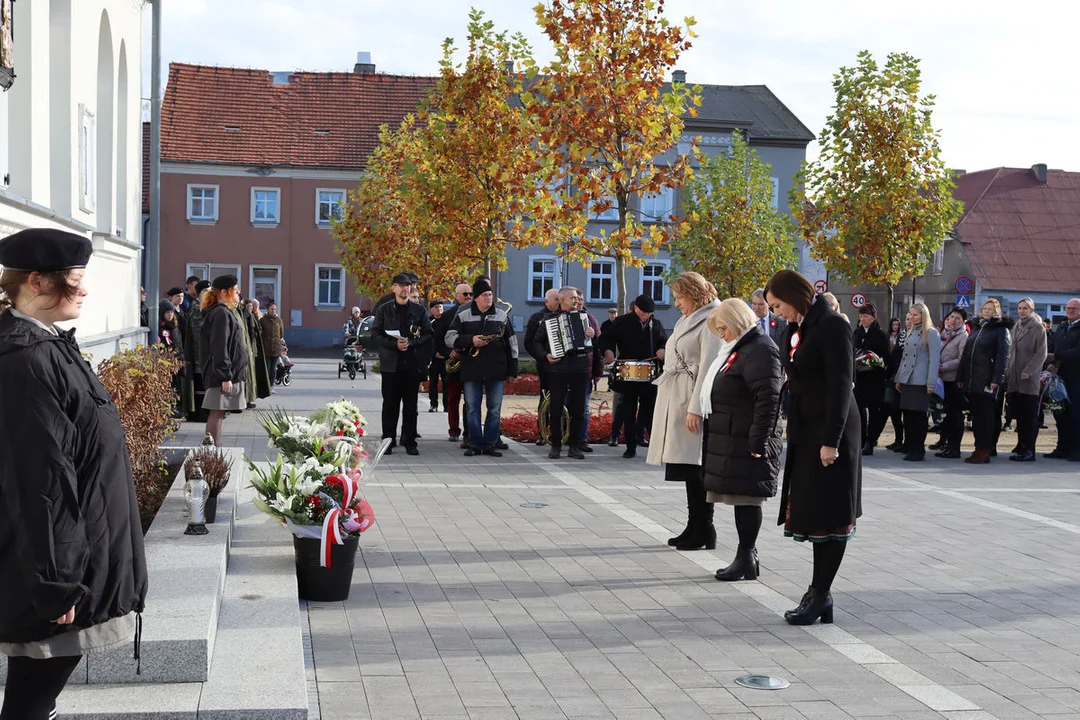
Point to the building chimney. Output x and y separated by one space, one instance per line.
678 76
363 63
1040 172
508 66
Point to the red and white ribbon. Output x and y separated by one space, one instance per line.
331 535
796 337
350 485
730 361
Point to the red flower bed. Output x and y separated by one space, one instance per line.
521 385
522 427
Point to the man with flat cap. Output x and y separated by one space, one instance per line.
409 277
402 332
71 544
637 335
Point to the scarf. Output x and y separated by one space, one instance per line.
947 335
705 399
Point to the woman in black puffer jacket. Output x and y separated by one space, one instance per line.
740 397
982 377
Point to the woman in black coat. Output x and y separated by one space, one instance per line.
740 397
870 380
71 543
224 358
822 490
982 377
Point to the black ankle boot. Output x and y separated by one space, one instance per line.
681 537
745 565
818 604
801 606
703 535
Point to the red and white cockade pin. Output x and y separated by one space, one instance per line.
795 339
730 361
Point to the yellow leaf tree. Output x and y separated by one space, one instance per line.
736 237
609 127
877 202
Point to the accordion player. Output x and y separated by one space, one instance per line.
566 333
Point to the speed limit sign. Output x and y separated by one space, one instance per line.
858 300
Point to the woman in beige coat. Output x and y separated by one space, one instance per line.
676 426
1022 378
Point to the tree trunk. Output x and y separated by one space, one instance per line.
889 303
620 279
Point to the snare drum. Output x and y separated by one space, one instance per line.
634 371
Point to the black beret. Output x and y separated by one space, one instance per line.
224 282
174 291
433 303
645 303
402 279
45 250
201 285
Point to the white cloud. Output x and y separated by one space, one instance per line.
1007 92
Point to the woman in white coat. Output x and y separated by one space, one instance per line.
676 428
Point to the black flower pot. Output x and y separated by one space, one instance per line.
324 584
211 508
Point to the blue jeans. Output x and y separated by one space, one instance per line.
584 439
483 437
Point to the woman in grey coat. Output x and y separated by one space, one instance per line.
1022 378
917 378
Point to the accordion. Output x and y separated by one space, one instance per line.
566 334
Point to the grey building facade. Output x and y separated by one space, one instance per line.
780 140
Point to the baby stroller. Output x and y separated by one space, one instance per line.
352 359
283 370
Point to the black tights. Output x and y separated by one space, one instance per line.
747 523
827 558
33 686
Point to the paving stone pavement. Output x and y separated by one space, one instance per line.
959 598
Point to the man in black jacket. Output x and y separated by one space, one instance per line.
635 336
437 367
1065 355
403 335
484 336
567 375
532 328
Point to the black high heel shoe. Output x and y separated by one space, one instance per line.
818 604
744 566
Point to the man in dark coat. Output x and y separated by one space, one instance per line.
437 366
870 381
532 327
568 376
637 335
194 389
769 323
273 335
402 332
261 380
1065 356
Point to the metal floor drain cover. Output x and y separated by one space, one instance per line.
762 682
533 505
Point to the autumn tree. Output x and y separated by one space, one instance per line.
609 126
736 237
880 196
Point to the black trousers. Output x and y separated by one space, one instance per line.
437 372
915 428
638 400
567 389
1025 409
399 392
872 417
955 402
985 419
33 686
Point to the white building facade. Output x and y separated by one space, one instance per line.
71 145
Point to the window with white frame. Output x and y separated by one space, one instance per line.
652 282
939 260
329 205
87 159
329 286
601 281
775 193
209 271
543 275
202 203
612 213
658 207
265 205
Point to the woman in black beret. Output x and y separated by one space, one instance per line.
71 543
224 359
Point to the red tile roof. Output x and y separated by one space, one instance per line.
1021 234
243 117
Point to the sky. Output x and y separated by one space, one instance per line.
1005 75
